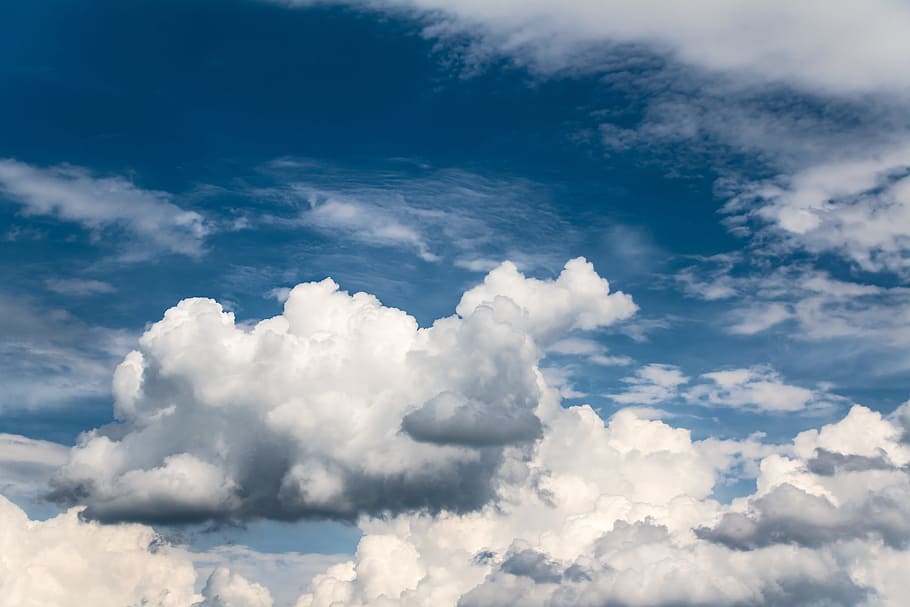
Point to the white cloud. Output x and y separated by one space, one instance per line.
79 287
622 513
464 217
810 303
650 385
26 465
336 407
285 574
227 589
857 207
50 359
758 388
814 44
48 563
366 223
102 203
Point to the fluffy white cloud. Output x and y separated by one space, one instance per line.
227 589
98 203
622 514
337 407
813 44
367 223
55 562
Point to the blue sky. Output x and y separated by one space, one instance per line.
752 200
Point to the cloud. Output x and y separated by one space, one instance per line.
368 224
338 407
27 464
810 45
600 511
650 385
850 481
811 304
227 589
50 562
434 213
856 207
50 359
286 574
757 388
78 287
102 204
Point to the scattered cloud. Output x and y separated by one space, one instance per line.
858 208
758 388
79 287
438 214
100 204
49 358
815 46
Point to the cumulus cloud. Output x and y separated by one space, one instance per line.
74 194
339 406
622 514
50 562
227 589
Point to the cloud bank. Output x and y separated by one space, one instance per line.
336 408
622 514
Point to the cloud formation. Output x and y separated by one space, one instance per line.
814 45
74 194
757 388
622 514
48 563
338 407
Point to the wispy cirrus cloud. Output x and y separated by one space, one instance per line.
104 204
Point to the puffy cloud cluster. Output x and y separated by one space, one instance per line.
63 560
227 589
622 514
66 560
338 407
473 486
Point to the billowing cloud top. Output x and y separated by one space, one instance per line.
338 407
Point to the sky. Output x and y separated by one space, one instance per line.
315 303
